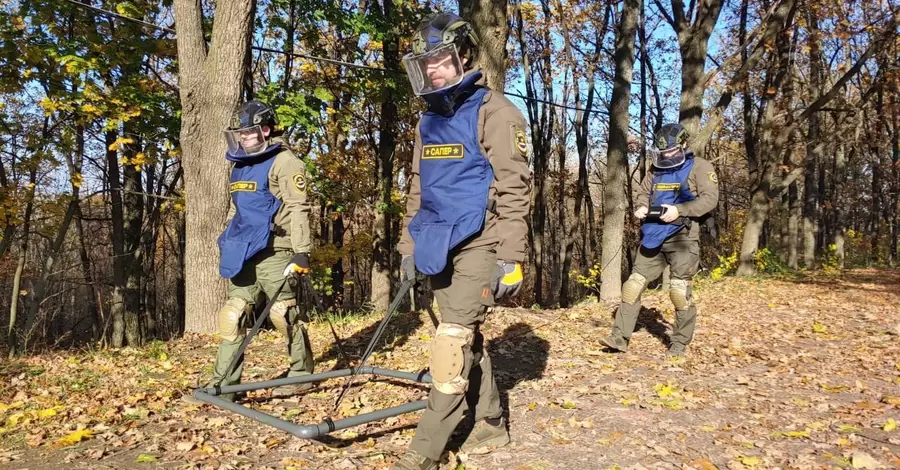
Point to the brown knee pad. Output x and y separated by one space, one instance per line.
279 315
231 318
680 293
633 287
450 350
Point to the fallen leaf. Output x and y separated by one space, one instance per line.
863 460
891 400
75 437
889 425
184 446
750 460
146 458
702 464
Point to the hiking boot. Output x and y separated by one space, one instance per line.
676 349
615 342
411 460
486 436
286 391
190 399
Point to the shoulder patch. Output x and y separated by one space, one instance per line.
299 182
521 142
713 177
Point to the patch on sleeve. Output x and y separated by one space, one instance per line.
713 177
299 182
520 140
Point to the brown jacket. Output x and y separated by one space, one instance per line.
288 180
502 133
702 181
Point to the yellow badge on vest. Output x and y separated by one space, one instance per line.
667 187
243 186
443 152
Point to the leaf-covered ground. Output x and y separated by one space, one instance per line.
801 373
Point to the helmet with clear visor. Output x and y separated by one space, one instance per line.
441 43
669 146
250 128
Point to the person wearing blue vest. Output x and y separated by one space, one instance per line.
465 228
266 238
677 193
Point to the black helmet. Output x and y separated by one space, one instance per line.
253 113
669 146
439 29
670 136
245 133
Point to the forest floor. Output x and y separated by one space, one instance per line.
783 373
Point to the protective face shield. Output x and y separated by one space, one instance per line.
251 139
668 158
668 146
435 70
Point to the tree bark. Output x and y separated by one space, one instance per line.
541 132
614 200
582 132
382 248
693 30
11 339
210 87
489 18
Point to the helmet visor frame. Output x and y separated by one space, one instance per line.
436 70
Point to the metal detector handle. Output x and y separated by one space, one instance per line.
370 348
249 336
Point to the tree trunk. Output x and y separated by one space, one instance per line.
133 214
614 199
794 215
39 288
117 295
337 270
693 33
210 88
11 339
489 18
9 229
813 147
382 249
541 132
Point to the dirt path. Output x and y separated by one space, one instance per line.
781 374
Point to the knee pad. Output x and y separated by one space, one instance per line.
680 293
633 287
230 317
450 350
279 314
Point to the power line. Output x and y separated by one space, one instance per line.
325 59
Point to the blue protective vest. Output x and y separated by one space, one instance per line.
455 180
255 206
668 187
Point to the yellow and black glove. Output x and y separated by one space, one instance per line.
507 279
298 266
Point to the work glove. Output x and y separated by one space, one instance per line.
507 279
407 268
298 266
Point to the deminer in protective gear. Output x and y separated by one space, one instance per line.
465 228
678 191
267 238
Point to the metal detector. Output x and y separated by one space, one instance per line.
211 395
